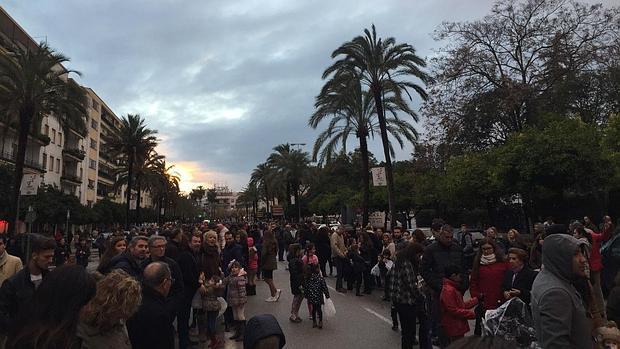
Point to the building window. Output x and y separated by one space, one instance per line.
47 130
95 105
57 165
59 138
51 169
91 184
94 124
44 160
89 203
93 144
92 164
53 136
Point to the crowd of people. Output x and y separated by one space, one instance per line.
167 286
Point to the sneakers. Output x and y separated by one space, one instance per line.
278 293
271 299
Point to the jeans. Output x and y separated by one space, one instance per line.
281 248
340 270
408 314
211 321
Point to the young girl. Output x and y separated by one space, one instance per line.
314 289
310 256
252 267
296 269
209 291
236 297
454 311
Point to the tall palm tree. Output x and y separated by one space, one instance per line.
147 177
263 176
351 111
385 68
33 83
132 145
250 196
291 165
164 184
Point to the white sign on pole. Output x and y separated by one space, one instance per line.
378 177
30 184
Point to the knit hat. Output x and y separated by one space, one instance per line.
609 332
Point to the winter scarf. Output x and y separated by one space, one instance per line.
486 260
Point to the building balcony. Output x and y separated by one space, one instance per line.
74 153
29 162
70 177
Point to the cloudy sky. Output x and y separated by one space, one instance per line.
223 81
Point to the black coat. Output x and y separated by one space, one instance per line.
176 295
173 249
15 293
125 261
523 282
189 269
436 258
323 247
296 269
230 252
151 326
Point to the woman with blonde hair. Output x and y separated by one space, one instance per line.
102 320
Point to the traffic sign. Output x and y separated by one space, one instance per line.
277 211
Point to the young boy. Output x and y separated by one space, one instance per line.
454 311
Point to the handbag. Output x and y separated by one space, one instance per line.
329 309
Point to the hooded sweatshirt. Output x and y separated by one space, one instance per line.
557 309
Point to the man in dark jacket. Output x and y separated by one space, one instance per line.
558 313
437 256
130 261
157 249
232 251
189 269
17 290
151 326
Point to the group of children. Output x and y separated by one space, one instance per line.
236 285
307 282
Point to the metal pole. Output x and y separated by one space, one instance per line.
67 226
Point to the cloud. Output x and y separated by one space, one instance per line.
223 81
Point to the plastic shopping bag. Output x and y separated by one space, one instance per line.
329 310
375 270
223 307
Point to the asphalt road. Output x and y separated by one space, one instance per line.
360 322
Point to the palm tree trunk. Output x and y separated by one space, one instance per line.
138 197
365 179
25 118
386 152
128 194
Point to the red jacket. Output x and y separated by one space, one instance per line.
454 311
489 282
596 263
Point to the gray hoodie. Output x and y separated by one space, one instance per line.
557 309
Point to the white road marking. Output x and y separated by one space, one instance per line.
333 289
388 321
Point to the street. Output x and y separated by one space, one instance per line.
360 322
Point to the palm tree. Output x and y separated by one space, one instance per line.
263 177
33 83
164 184
351 111
212 199
291 166
147 177
132 145
250 196
385 68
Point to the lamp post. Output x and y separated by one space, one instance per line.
298 203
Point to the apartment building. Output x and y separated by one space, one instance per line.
77 162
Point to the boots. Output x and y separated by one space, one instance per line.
237 328
241 331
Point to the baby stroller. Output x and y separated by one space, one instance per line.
512 321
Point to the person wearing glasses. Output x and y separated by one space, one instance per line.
151 326
157 249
